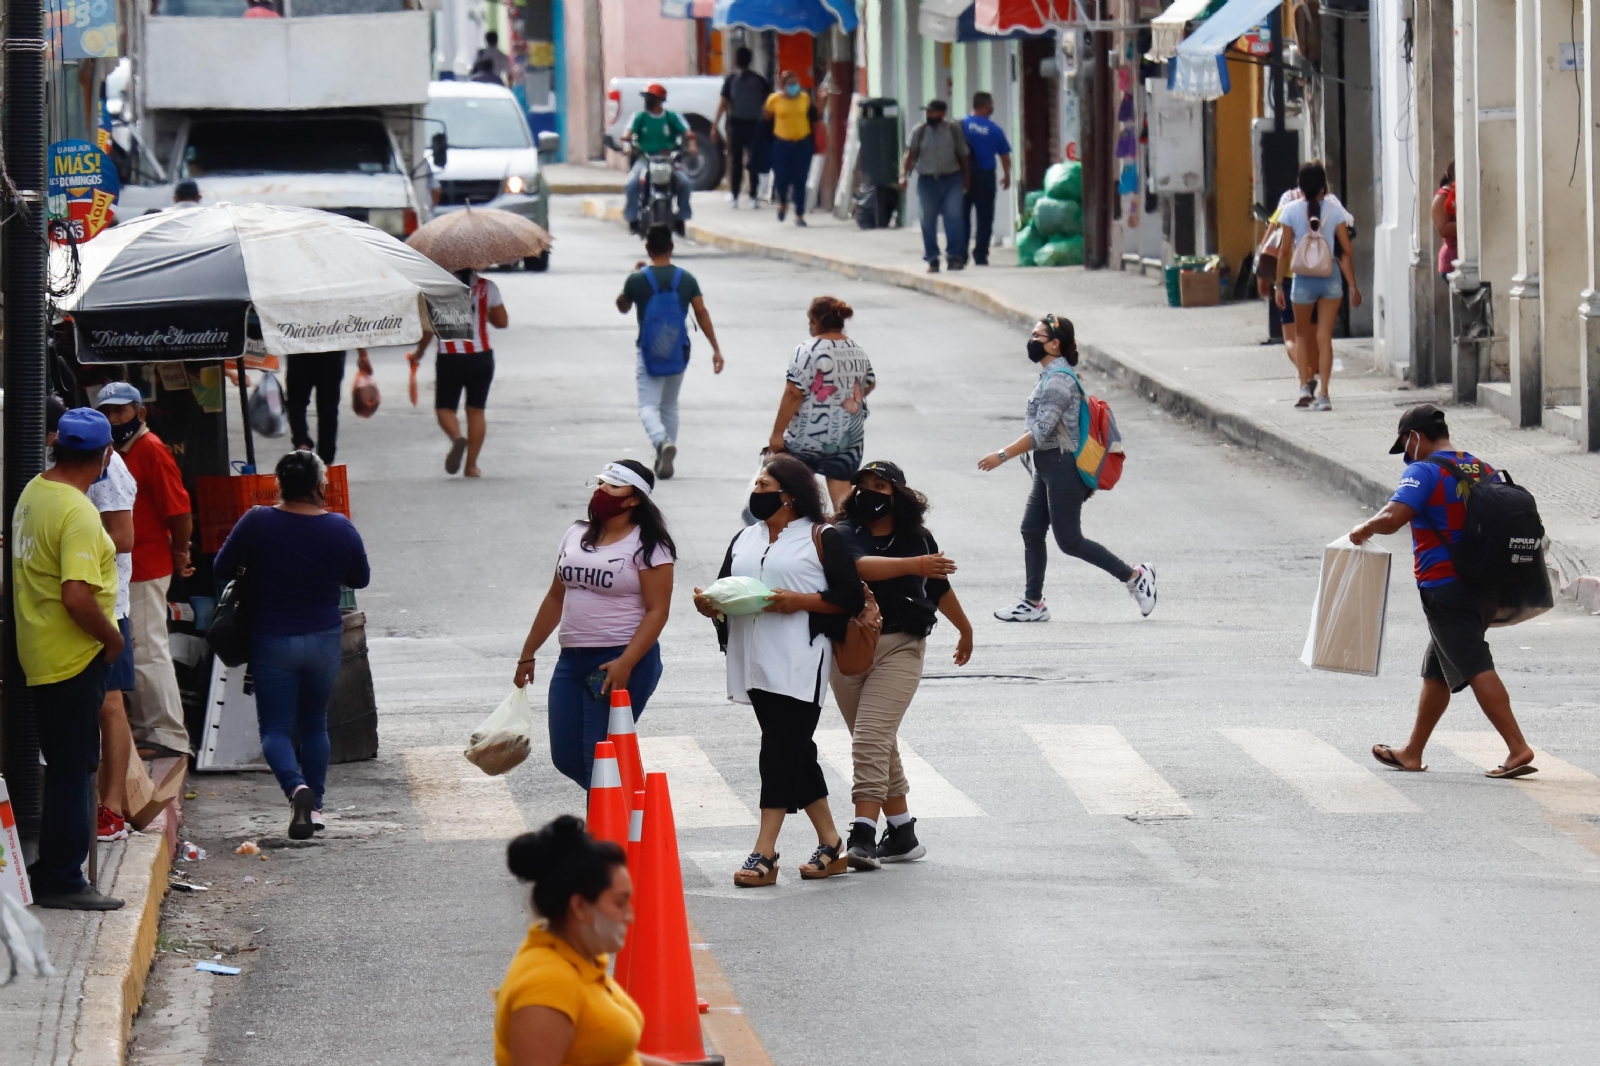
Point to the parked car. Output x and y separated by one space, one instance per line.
493 158
693 98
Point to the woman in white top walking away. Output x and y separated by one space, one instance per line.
610 595
779 661
1321 239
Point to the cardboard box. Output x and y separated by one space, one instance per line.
1200 288
1348 619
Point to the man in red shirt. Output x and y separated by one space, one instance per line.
162 527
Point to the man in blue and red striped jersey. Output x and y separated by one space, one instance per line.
1430 499
466 366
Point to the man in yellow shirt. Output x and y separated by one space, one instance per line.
64 577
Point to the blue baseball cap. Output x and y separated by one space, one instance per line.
83 429
118 392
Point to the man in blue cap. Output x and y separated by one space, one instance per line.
64 581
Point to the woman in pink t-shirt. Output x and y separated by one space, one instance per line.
610 596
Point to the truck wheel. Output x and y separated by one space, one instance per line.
537 263
704 168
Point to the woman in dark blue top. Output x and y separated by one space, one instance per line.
294 558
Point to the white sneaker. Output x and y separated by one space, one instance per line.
1024 612
1322 403
1142 587
733 201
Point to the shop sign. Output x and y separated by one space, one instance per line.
83 186
84 29
1258 42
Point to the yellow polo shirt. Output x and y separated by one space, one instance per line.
56 536
547 972
789 116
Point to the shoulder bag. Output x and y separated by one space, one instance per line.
229 632
854 654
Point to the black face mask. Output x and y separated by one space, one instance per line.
123 433
934 120
1036 350
873 505
765 504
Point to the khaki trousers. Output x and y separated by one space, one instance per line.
873 705
155 709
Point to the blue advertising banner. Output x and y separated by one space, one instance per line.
83 29
82 187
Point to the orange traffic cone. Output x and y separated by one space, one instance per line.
626 740
608 811
661 973
635 829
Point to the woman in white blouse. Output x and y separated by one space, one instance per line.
779 661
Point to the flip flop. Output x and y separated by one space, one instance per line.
1516 771
1385 754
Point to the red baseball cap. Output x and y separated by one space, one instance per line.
655 88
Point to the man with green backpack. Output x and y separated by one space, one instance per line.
662 294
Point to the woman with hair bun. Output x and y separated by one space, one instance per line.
822 418
611 594
557 1004
295 557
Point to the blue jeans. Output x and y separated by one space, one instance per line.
634 190
658 403
294 677
579 721
938 197
791 165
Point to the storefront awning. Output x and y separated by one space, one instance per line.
786 16
1001 17
1201 72
1166 29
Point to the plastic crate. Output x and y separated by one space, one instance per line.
222 501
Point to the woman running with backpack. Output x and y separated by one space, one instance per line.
1316 279
1055 409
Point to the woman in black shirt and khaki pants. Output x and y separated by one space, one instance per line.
896 555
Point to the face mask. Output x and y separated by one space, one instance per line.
873 505
123 433
1405 451
608 933
765 504
934 120
791 90
1036 350
603 505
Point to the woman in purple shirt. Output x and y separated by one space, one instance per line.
294 559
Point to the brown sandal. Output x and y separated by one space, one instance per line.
758 871
826 861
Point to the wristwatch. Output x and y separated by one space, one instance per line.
1001 452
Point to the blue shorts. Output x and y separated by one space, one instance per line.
120 676
1309 290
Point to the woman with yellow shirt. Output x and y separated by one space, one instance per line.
792 115
557 1006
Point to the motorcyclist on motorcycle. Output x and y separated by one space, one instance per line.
654 130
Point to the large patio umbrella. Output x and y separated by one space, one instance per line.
478 240
786 16
177 286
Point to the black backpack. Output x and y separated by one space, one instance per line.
1500 553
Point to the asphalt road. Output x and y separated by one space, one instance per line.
1157 840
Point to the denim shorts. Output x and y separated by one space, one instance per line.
120 677
1310 290
839 466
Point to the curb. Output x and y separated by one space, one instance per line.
1230 422
584 188
114 978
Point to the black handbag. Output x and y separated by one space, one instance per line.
229 632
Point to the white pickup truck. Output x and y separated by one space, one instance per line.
693 98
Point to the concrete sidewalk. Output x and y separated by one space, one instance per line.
571 178
1204 363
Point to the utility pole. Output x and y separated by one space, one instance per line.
23 266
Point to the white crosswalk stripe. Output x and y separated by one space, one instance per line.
701 798
456 800
932 796
1107 775
1559 786
1328 779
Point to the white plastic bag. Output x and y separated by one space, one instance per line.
738 595
22 947
267 409
504 739
1350 612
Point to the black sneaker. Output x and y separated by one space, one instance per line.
87 898
303 803
900 844
862 852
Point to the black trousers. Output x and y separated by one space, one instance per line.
980 198
69 739
790 776
323 372
743 137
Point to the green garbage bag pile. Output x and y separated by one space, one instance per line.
1053 234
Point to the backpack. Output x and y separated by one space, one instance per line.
1312 256
1099 452
1500 552
664 334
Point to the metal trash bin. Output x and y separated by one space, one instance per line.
353 709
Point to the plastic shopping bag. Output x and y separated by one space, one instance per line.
504 739
266 407
22 945
1350 611
364 395
736 596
